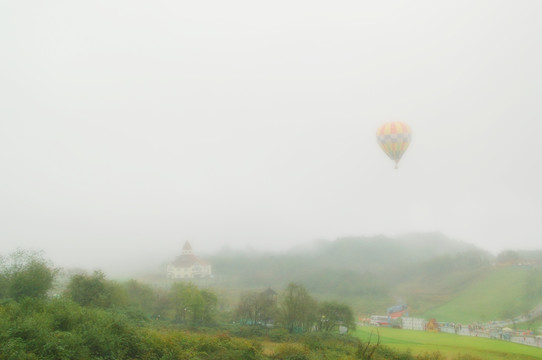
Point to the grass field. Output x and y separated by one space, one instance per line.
449 345
497 296
534 325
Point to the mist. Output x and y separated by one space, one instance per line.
128 128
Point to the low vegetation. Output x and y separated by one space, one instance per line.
96 318
88 316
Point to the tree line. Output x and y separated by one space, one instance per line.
92 317
29 275
296 310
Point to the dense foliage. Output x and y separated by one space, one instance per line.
192 305
95 290
62 329
256 309
96 318
25 274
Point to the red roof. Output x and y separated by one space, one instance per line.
185 261
188 259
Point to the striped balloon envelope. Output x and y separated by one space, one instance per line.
394 138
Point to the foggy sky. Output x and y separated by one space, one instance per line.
129 127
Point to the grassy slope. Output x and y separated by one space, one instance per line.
435 276
426 292
495 296
534 325
369 273
449 345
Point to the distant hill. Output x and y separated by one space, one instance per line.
369 272
370 253
351 253
435 275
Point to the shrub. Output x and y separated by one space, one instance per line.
430 356
291 351
61 329
466 357
279 335
25 274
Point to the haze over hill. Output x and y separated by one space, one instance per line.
434 274
426 271
356 252
359 253
254 124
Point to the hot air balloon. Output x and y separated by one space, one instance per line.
394 138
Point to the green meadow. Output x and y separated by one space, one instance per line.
487 300
449 345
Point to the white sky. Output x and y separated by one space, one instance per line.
128 127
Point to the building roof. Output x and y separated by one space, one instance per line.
187 246
188 259
185 261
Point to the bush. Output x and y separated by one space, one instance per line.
25 274
466 357
61 329
430 356
291 351
279 335
95 290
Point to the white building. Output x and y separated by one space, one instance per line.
188 265
413 323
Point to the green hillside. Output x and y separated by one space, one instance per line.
370 273
379 259
500 294
436 276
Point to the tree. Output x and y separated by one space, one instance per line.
141 296
207 313
256 308
95 290
334 314
366 350
298 308
192 305
25 274
245 312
